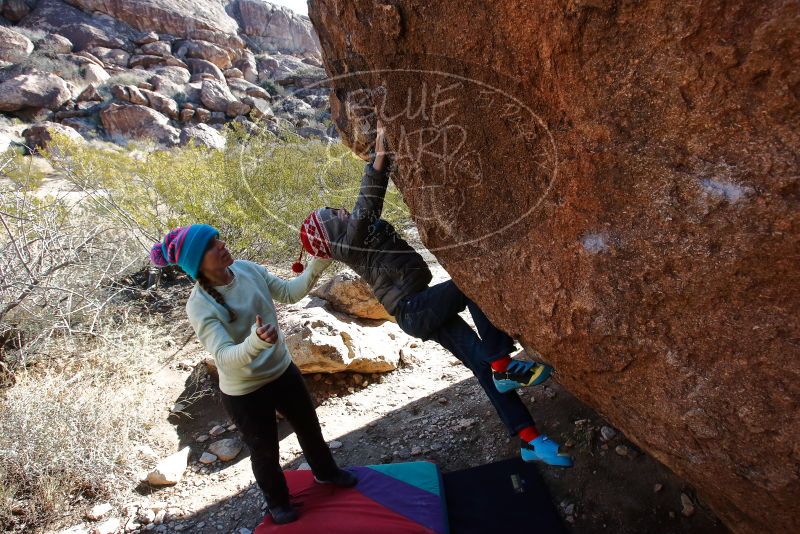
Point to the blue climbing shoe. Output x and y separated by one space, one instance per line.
520 374
544 449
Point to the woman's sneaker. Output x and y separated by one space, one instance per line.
342 479
520 373
283 514
544 449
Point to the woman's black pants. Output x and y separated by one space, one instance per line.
254 415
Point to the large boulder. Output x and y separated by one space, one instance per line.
138 122
111 56
242 88
175 17
14 47
55 44
176 75
40 135
349 293
275 27
84 36
36 90
628 206
204 50
216 96
94 74
15 10
83 29
202 135
322 340
201 66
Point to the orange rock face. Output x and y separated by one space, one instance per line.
616 184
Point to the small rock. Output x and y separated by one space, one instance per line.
207 458
335 444
442 400
226 449
244 530
109 526
416 451
622 450
232 428
169 470
657 488
607 433
687 506
202 439
145 516
465 423
217 431
178 407
98 512
569 509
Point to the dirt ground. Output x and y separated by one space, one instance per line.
431 408
434 410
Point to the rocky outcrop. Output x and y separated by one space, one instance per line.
176 17
36 90
155 54
138 122
627 205
275 27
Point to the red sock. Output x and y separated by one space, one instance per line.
500 364
528 434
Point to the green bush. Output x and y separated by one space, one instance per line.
44 62
273 88
256 192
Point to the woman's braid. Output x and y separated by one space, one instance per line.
204 283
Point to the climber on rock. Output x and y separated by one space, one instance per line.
399 277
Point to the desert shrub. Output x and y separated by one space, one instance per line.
73 430
58 262
76 366
256 192
34 34
273 88
43 62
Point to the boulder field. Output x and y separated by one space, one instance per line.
616 184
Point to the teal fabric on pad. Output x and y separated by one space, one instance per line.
423 475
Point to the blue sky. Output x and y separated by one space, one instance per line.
298 6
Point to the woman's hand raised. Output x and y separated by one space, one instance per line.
268 333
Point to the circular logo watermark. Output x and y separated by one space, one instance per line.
471 155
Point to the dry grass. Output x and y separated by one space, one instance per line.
72 431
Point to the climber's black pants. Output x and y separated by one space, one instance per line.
254 415
433 314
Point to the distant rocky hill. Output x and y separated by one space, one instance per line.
163 70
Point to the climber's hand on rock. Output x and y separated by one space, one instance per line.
380 148
266 333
